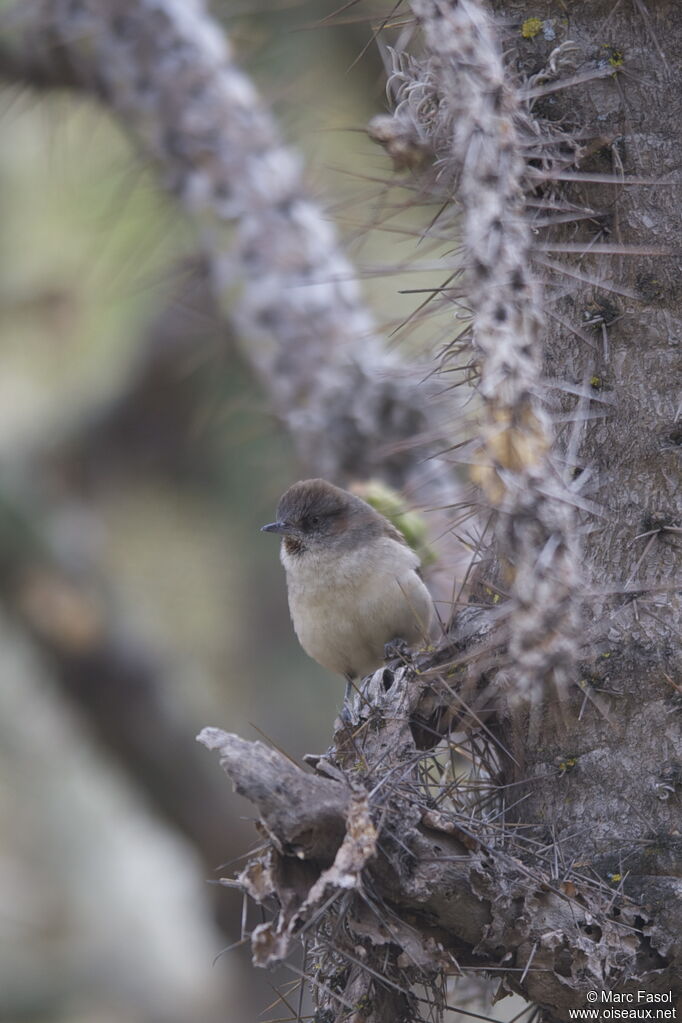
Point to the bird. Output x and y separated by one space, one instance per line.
353 582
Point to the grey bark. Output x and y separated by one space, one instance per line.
430 884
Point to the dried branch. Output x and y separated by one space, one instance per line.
415 889
283 794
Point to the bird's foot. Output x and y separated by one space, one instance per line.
346 715
397 650
350 689
345 719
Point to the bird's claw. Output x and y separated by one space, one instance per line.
346 718
396 650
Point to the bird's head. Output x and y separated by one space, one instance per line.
316 515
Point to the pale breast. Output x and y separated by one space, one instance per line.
346 607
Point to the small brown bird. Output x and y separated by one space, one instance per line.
352 580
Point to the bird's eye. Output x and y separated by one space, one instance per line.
310 522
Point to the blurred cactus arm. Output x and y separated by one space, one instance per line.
277 271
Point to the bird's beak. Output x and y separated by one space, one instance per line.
276 527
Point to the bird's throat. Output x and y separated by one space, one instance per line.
293 546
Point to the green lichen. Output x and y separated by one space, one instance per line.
411 524
615 57
531 27
650 287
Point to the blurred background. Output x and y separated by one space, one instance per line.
139 602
